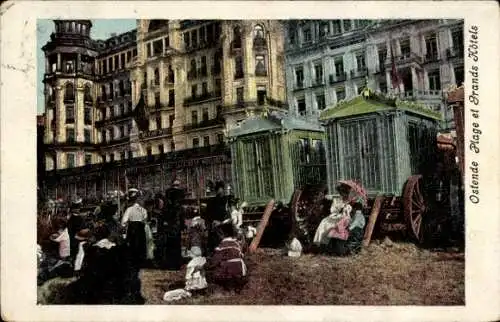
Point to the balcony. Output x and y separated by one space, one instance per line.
200 98
204 124
407 58
360 72
155 133
333 79
299 86
317 82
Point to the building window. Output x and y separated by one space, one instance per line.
111 91
87 116
158 47
157 76
171 118
336 29
405 47
171 98
457 37
347 25
69 93
161 149
186 40
203 70
382 56
206 141
383 87
158 122
261 96
123 155
431 46
205 115
340 92
70 114
218 87
301 106
239 96
204 89
192 70
202 34
171 77
87 96
70 160
260 66
306 32
217 63
434 80
299 77
238 63
194 117
111 157
194 90
149 151
318 72
149 51
157 100
194 38
323 29
196 142
103 93
320 101
121 88
172 146
459 75
237 38
103 136
88 158
360 61
292 36
218 111
70 135
339 67
86 136
220 138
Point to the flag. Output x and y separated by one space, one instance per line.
396 79
141 115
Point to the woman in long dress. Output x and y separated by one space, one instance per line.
134 220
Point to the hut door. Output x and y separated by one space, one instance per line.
259 176
359 152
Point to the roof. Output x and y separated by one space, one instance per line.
275 121
370 102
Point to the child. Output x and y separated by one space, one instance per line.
227 266
62 238
197 234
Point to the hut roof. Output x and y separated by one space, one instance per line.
275 121
370 102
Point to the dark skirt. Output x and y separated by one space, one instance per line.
136 241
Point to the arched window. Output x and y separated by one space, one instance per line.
157 76
87 94
69 92
259 40
237 37
258 32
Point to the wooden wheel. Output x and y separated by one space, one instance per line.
414 206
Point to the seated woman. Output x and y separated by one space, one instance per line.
226 267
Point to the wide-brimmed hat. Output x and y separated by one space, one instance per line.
133 193
83 234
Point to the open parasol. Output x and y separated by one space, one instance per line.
357 194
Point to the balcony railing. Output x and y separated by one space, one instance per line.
203 124
155 133
407 58
200 98
422 95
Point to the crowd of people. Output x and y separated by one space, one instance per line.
101 252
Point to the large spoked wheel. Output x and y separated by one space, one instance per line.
415 206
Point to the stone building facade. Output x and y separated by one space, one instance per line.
196 78
333 60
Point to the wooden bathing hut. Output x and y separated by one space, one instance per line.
379 142
273 154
